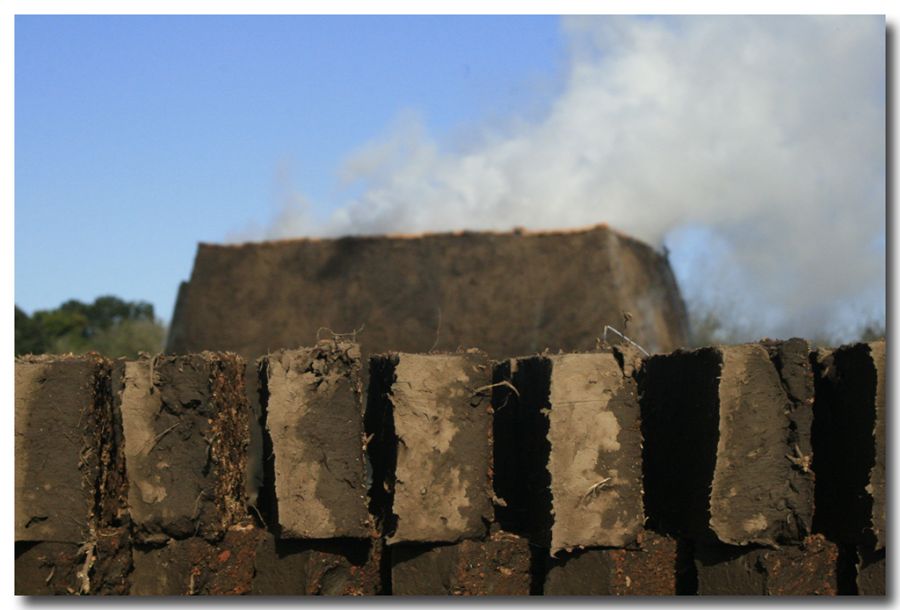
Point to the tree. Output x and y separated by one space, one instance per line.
109 326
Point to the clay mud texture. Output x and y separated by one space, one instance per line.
648 568
48 568
499 565
850 444
870 571
415 294
194 566
808 569
318 567
57 466
437 410
723 459
314 418
588 412
185 421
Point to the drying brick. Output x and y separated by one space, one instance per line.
57 466
185 421
315 424
725 447
568 450
806 569
870 571
430 424
497 566
850 444
646 569
317 567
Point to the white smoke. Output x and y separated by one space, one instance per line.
753 147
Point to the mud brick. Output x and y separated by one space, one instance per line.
59 568
649 568
280 566
430 421
315 423
317 567
194 566
496 566
185 421
49 568
167 570
110 562
568 450
850 441
870 571
808 569
726 453
344 567
58 411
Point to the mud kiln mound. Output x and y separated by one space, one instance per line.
508 294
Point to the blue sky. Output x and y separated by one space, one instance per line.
138 136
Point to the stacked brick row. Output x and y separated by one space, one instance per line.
742 470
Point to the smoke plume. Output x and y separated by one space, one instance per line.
753 149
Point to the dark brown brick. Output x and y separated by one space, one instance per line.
870 571
647 569
496 566
850 444
186 428
807 569
58 465
48 568
724 456
317 567
194 566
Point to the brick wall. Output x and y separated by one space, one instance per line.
755 469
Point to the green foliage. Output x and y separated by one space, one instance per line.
29 335
109 326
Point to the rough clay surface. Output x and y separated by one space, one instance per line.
793 361
418 293
595 453
185 421
54 475
194 566
442 423
648 569
48 568
752 500
850 444
870 572
321 567
808 569
496 566
876 487
314 420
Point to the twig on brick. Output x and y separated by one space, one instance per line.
610 328
160 436
335 336
801 461
496 385
258 514
84 574
594 489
